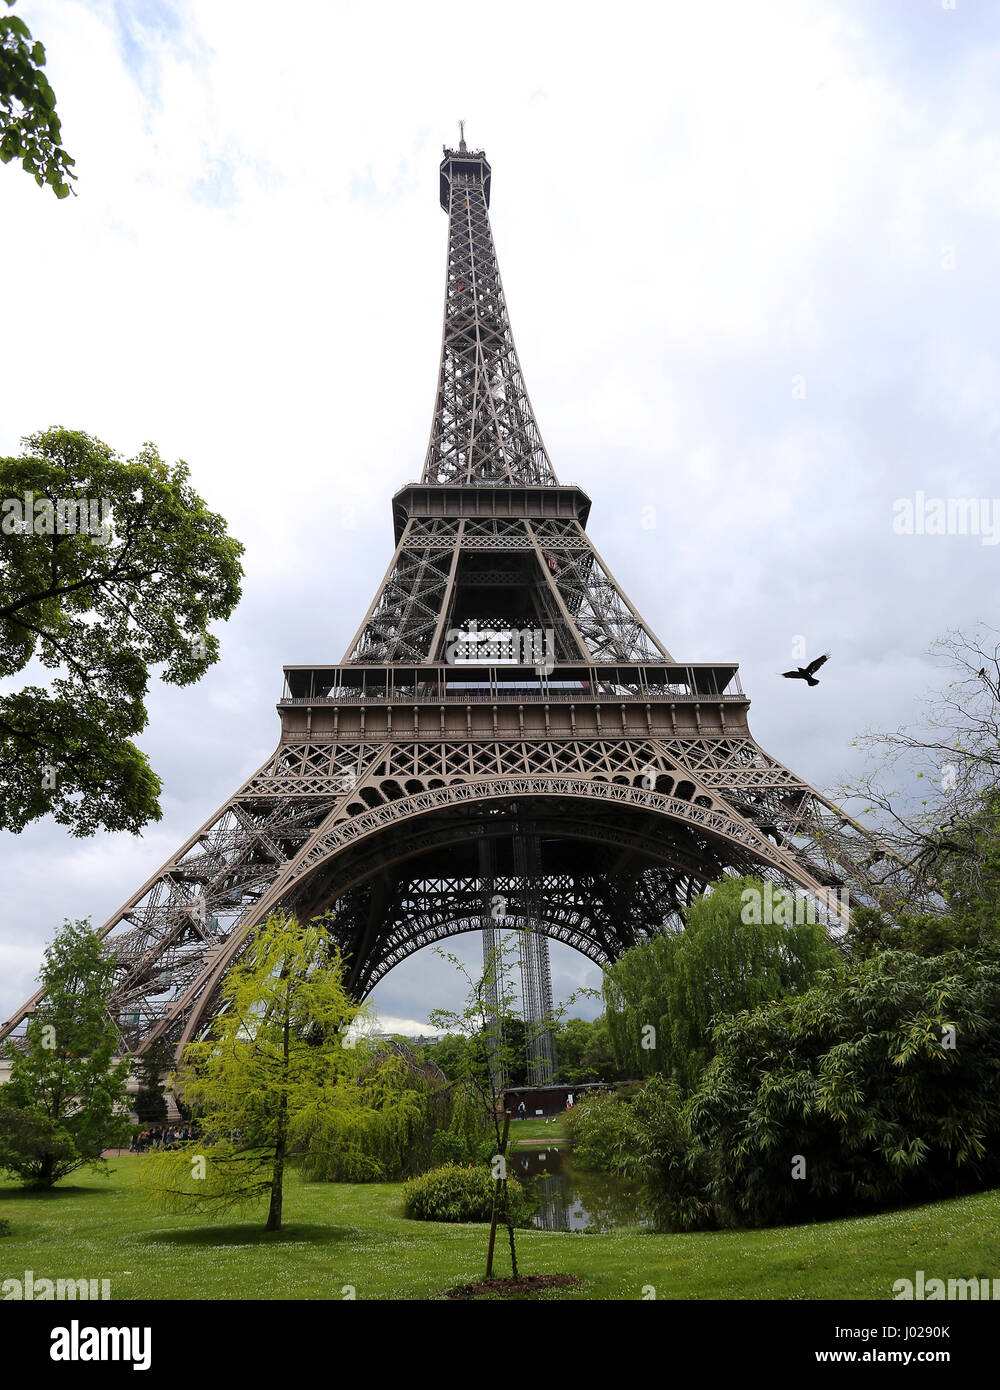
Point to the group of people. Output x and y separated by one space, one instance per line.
156 1138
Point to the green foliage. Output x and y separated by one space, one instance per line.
99 611
923 934
386 1136
4 1226
658 1147
29 127
857 1077
596 1127
272 1075
447 1147
972 880
65 1101
470 1130
411 1118
584 1052
682 983
647 1137
452 1193
966 861
450 1054
150 1104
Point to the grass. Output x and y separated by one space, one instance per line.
536 1127
340 1234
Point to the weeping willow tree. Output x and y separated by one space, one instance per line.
664 996
403 1117
384 1131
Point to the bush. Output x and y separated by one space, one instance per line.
646 1136
596 1127
452 1193
882 1077
657 1146
4 1226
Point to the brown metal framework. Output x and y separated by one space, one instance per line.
450 728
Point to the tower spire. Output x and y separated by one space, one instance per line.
484 430
461 138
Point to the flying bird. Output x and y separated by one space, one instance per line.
807 673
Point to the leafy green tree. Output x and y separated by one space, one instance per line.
150 1103
66 1098
271 1073
108 567
29 126
585 1053
968 871
389 1134
924 934
664 996
596 1127
877 1085
449 1054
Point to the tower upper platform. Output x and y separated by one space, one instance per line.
464 163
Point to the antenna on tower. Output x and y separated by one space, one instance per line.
461 137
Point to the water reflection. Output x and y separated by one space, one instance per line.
571 1199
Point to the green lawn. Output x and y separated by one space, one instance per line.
342 1234
536 1127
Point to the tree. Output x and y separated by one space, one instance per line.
449 1054
664 996
109 567
150 1103
273 1067
968 879
585 1052
389 1134
29 127
927 784
877 1085
657 1146
494 1033
972 880
66 1099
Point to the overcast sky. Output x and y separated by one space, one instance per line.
750 253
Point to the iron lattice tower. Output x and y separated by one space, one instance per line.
504 725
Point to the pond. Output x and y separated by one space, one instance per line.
572 1199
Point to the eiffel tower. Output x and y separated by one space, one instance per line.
504 729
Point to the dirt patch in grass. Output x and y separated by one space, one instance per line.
523 1287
